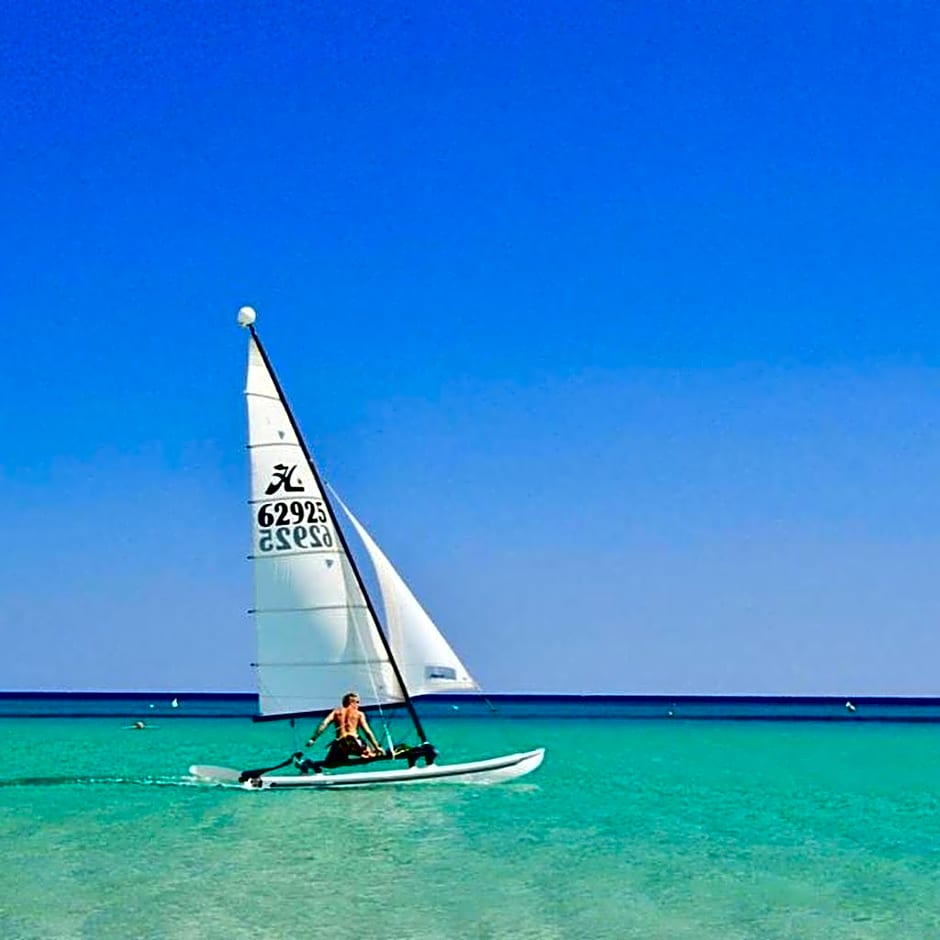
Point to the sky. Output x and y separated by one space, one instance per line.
615 323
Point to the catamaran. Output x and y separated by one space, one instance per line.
319 634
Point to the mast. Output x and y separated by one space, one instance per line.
246 318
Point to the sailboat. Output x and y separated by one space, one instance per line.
318 629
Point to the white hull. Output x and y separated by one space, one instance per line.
493 770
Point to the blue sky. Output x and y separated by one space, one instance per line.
615 323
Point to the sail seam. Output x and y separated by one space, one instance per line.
319 664
291 610
275 555
293 497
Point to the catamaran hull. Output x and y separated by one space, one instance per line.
493 770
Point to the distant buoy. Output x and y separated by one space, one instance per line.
175 703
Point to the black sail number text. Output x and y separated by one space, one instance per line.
294 513
285 538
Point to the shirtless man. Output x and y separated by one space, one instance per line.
348 720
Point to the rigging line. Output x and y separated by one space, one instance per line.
383 718
357 628
489 704
502 727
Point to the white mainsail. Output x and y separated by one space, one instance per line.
424 658
316 636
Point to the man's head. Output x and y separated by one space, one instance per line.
350 698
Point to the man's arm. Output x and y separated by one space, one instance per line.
322 727
365 727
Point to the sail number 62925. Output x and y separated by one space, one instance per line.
292 513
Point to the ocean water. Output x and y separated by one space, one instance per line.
630 829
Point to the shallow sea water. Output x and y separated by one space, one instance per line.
629 830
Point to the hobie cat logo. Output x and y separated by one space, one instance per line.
283 478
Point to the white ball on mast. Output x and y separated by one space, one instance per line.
246 316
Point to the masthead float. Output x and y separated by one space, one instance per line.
318 628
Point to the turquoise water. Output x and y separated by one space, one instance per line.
630 829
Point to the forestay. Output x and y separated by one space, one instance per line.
316 636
